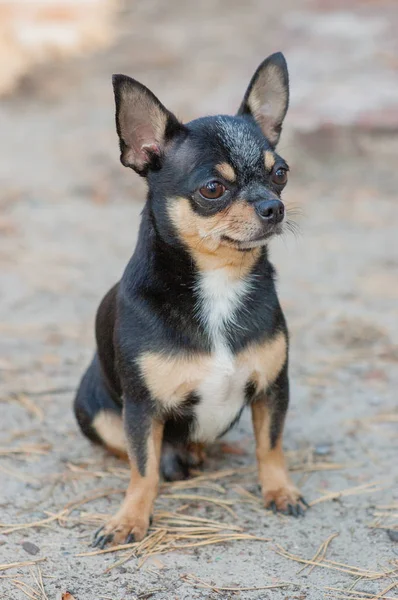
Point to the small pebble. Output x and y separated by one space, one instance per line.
30 548
393 534
323 449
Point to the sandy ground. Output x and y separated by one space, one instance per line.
68 222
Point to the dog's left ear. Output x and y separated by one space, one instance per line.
143 124
267 97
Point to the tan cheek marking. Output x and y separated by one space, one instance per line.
269 160
193 228
186 222
109 427
208 251
226 171
265 360
171 378
243 220
241 210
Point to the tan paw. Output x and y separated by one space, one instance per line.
197 454
286 499
121 530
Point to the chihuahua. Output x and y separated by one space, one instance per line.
194 331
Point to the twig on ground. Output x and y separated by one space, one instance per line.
28 449
366 488
28 405
192 579
320 553
336 566
19 565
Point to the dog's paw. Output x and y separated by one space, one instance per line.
121 530
177 460
286 499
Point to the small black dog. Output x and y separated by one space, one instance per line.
194 331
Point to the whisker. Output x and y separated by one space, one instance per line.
294 210
293 228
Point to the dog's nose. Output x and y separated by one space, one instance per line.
271 211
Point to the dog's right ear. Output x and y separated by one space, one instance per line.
143 124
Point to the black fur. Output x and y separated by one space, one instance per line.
279 394
154 306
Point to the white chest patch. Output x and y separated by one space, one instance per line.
222 392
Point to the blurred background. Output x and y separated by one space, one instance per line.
69 214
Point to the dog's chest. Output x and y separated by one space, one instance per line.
222 390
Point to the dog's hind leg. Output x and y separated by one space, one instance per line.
98 414
178 459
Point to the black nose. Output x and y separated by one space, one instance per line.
271 211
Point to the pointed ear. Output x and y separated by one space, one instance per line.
267 97
143 124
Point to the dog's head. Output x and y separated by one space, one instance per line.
216 181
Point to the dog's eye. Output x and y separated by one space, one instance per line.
212 190
280 176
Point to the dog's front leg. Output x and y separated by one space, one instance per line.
268 414
144 441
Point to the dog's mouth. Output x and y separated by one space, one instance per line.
254 242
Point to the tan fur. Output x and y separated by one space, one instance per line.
272 471
202 235
198 452
171 378
141 123
265 359
269 160
270 86
109 427
135 511
226 171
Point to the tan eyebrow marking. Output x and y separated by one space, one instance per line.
269 160
226 171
